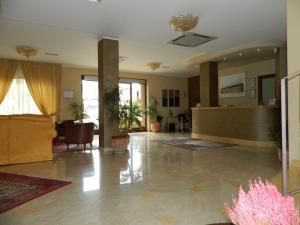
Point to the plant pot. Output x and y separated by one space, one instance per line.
155 127
120 141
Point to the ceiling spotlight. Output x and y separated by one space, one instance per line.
240 54
258 49
225 59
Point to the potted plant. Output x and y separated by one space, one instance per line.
263 204
124 114
78 111
155 118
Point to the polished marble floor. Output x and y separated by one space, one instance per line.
153 184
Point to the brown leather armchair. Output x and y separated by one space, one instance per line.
79 133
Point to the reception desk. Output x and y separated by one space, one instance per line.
251 126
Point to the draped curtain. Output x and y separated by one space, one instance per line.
43 81
7 72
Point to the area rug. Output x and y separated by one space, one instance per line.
17 189
193 144
62 147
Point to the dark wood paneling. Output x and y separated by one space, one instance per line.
194 91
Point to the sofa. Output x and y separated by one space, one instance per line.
25 138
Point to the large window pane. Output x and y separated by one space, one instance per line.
18 99
90 99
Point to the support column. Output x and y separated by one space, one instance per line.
209 84
280 71
108 76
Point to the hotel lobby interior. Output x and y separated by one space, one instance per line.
149 112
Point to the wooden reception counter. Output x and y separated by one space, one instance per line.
251 126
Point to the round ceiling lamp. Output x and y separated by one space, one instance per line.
184 23
154 65
26 51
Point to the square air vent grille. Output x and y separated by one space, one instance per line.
191 40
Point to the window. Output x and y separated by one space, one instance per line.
90 98
18 100
170 98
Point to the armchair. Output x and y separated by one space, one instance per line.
79 133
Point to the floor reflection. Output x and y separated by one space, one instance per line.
92 183
134 171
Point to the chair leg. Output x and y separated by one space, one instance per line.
84 145
68 147
91 145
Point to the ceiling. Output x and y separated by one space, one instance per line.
72 29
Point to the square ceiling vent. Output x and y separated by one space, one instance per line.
191 40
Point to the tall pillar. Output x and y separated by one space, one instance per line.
209 84
108 76
280 70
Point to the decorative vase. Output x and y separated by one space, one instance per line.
155 127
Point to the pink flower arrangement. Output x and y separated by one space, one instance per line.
262 205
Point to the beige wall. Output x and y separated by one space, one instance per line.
252 70
293 39
155 85
71 80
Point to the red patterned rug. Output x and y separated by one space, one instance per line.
17 189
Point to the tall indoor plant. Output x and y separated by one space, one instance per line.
155 118
78 111
124 114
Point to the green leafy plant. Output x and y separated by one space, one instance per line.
111 101
125 114
152 110
78 111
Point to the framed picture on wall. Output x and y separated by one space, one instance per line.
177 98
164 98
252 93
252 83
171 98
233 85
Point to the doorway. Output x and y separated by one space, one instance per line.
266 89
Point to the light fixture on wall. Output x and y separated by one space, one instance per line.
26 51
184 23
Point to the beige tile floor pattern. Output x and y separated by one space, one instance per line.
152 184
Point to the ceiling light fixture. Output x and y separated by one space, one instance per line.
225 59
26 51
258 49
99 1
241 54
154 65
184 23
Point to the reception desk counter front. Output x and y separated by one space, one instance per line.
251 126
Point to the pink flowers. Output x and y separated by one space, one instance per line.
262 205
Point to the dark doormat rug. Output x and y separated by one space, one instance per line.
193 144
17 189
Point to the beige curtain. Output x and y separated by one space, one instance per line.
43 81
7 73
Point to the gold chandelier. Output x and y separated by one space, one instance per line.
154 65
26 51
184 23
